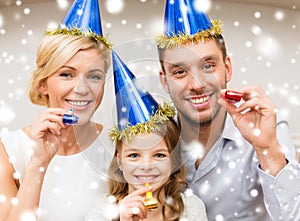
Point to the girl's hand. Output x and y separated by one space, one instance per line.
132 206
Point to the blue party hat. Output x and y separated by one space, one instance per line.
137 111
83 18
185 23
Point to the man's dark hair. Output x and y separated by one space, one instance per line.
218 39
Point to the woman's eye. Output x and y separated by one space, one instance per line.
97 76
65 75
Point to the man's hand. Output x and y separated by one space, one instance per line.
256 120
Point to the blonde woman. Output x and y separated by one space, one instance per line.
50 169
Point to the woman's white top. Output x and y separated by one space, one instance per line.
71 184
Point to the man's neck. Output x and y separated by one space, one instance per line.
206 134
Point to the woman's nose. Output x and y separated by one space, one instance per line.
81 86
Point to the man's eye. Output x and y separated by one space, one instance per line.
208 68
179 72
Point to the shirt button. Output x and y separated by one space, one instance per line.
279 190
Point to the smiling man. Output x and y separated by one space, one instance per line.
240 158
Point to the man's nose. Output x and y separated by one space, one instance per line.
197 80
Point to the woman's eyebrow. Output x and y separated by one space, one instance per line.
69 67
96 70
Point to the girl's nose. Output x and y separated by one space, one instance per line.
146 164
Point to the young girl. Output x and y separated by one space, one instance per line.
153 158
146 171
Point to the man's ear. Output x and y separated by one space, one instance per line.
43 89
228 68
163 81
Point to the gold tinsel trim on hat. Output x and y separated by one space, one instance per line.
164 42
79 32
162 115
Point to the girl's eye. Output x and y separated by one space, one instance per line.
160 155
133 155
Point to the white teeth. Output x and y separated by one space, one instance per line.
79 103
145 177
199 100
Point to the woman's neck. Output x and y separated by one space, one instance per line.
79 137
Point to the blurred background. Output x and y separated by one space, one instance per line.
263 40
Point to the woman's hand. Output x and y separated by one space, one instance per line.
46 133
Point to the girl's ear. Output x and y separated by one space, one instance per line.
43 88
119 162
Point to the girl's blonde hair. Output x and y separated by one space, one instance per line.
55 51
118 186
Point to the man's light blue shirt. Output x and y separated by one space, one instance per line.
232 185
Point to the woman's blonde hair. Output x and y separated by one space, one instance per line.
53 52
118 186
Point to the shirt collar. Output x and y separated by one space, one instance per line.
230 131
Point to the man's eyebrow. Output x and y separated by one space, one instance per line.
201 59
210 57
181 64
175 65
